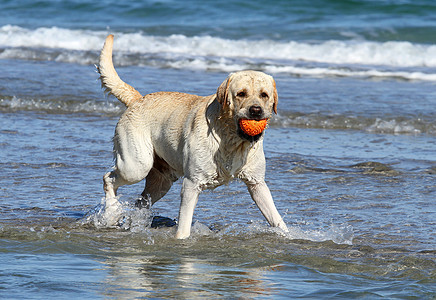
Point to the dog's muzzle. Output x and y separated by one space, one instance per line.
255 113
247 137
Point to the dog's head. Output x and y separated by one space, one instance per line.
248 95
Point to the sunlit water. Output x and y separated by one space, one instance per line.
350 157
359 205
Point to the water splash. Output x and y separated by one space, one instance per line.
130 217
140 220
339 234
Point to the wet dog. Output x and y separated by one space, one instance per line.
167 135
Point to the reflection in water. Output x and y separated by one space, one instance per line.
228 264
182 277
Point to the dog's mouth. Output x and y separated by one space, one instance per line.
251 129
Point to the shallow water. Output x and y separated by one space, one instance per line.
350 156
360 206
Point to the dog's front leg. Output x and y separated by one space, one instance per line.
190 193
261 195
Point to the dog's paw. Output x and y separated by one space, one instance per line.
111 214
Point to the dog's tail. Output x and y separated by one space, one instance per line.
110 79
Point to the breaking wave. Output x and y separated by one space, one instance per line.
354 58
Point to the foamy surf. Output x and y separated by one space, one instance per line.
353 58
143 220
61 106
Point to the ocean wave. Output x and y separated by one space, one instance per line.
220 64
354 58
60 106
388 125
399 54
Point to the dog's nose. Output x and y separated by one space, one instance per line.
255 111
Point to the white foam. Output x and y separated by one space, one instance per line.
339 234
138 220
342 234
399 125
129 217
227 66
61 106
376 125
396 54
344 72
53 37
394 126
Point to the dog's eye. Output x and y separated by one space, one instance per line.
241 94
264 95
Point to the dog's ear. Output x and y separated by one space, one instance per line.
276 97
222 93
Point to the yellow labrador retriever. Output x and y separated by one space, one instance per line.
166 135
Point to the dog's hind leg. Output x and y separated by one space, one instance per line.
157 185
129 169
111 182
158 182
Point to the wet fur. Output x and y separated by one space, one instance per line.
167 135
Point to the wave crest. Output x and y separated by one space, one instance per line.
354 58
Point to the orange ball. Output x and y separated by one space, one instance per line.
252 127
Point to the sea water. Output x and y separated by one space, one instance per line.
350 156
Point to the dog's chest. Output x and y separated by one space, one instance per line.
225 170
231 166
218 178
